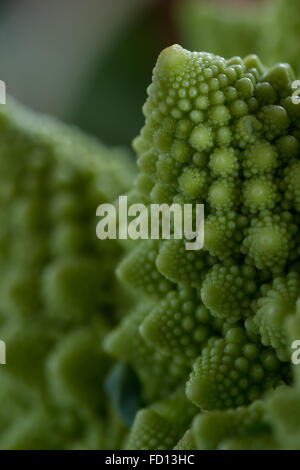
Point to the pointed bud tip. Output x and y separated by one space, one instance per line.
171 58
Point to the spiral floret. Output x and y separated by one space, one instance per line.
227 291
178 325
273 309
232 371
269 241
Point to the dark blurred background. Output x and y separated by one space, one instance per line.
89 62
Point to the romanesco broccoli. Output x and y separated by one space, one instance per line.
224 133
59 296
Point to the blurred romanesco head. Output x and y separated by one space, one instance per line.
270 29
224 133
58 293
222 27
283 34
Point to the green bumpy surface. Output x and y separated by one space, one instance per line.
58 293
224 133
272 423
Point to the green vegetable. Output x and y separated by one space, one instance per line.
269 29
223 28
282 35
58 293
224 133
